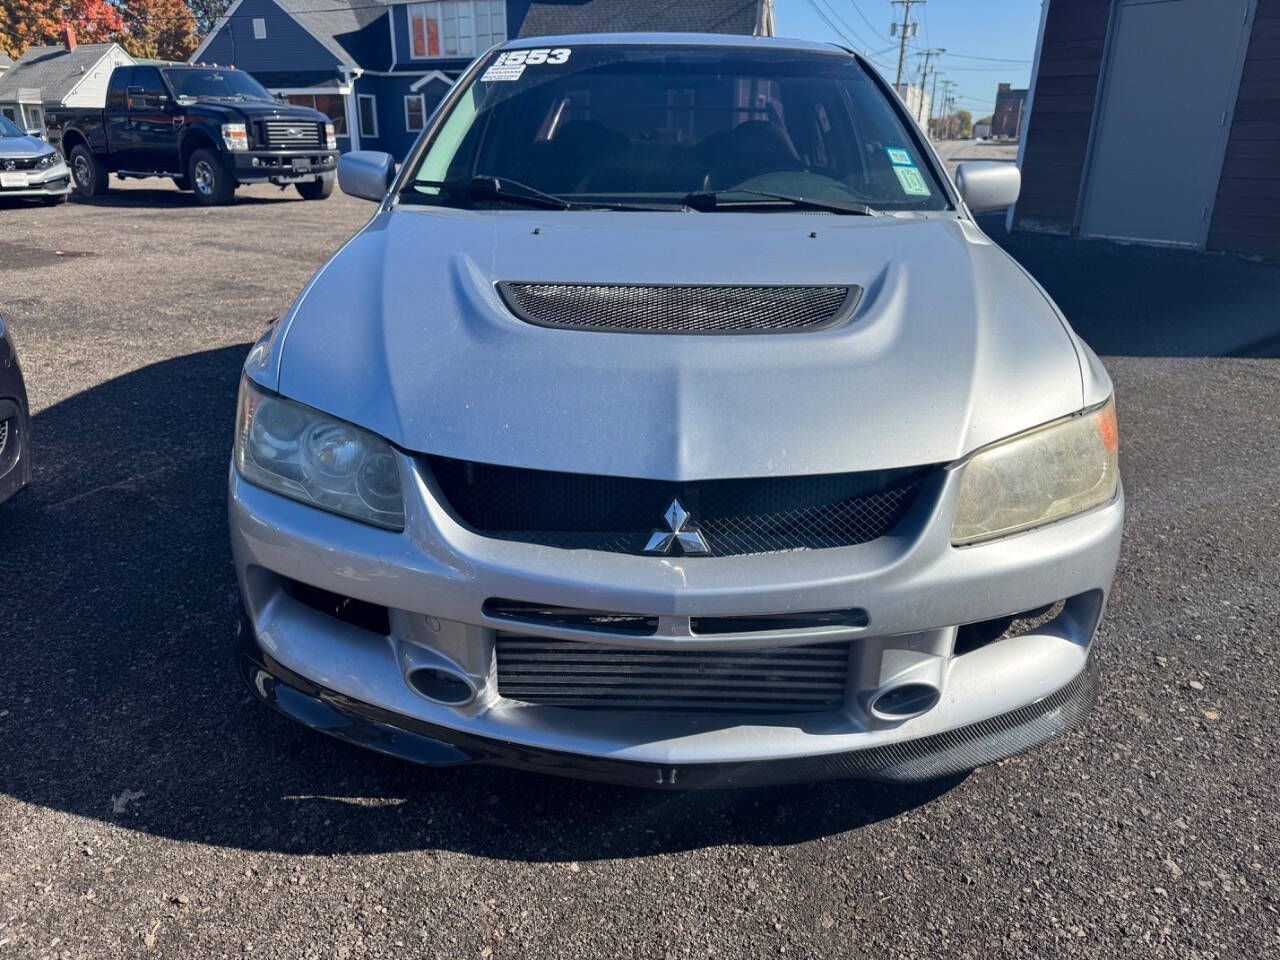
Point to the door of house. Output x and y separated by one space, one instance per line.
1161 128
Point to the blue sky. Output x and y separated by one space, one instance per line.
1004 29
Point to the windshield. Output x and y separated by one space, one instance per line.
656 124
215 84
8 128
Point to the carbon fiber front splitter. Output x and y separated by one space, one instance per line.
927 758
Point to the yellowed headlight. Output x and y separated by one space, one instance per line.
1046 474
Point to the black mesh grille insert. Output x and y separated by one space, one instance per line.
619 514
679 309
567 673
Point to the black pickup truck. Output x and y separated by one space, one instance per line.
208 128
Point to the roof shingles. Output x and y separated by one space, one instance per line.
54 71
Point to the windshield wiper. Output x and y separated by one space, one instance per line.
707 201
496 188
504 188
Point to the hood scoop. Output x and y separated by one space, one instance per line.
680 308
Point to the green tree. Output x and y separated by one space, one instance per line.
207 13
964 123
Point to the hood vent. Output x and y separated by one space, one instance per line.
677 308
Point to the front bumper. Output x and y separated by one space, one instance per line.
52 182
283 166
435 577
420 741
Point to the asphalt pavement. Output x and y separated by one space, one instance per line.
149 807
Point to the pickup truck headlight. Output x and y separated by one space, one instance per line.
235 136
317 459
330 140
1045 474
50 159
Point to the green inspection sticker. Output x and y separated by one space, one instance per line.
913 184
899 157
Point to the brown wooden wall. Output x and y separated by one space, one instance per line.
1075 33
1246 214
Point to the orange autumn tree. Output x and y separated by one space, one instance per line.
157 29
25 23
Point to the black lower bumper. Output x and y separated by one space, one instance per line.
927 758
278 165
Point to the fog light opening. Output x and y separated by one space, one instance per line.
974 636
357 613
441 686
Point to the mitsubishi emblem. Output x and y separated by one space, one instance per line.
681 530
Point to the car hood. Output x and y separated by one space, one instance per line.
20 148
252 110
951 346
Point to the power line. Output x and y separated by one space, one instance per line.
969 56
834 29
858 11
845 23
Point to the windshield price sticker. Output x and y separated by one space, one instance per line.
899 157
912 183
510 64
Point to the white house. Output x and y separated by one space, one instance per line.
71 75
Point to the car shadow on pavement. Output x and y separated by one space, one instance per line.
171 198
121 701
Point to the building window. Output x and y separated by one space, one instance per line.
456 28
415 113
332 105
35 118
368 115
259 28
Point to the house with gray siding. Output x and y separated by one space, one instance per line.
378 68
70 75
1155 122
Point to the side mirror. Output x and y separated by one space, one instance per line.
366 174
987 185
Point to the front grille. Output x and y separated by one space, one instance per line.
618 514
679 309
19 163
292 134
566 673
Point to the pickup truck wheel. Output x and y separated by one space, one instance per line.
316 189
88 174
209 179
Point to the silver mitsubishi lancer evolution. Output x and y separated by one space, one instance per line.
672 423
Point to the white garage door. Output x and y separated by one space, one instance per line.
1169 86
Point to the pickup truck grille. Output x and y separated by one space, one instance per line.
292 134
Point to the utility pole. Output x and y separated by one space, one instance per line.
924 78
933 94
948 98
903 31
